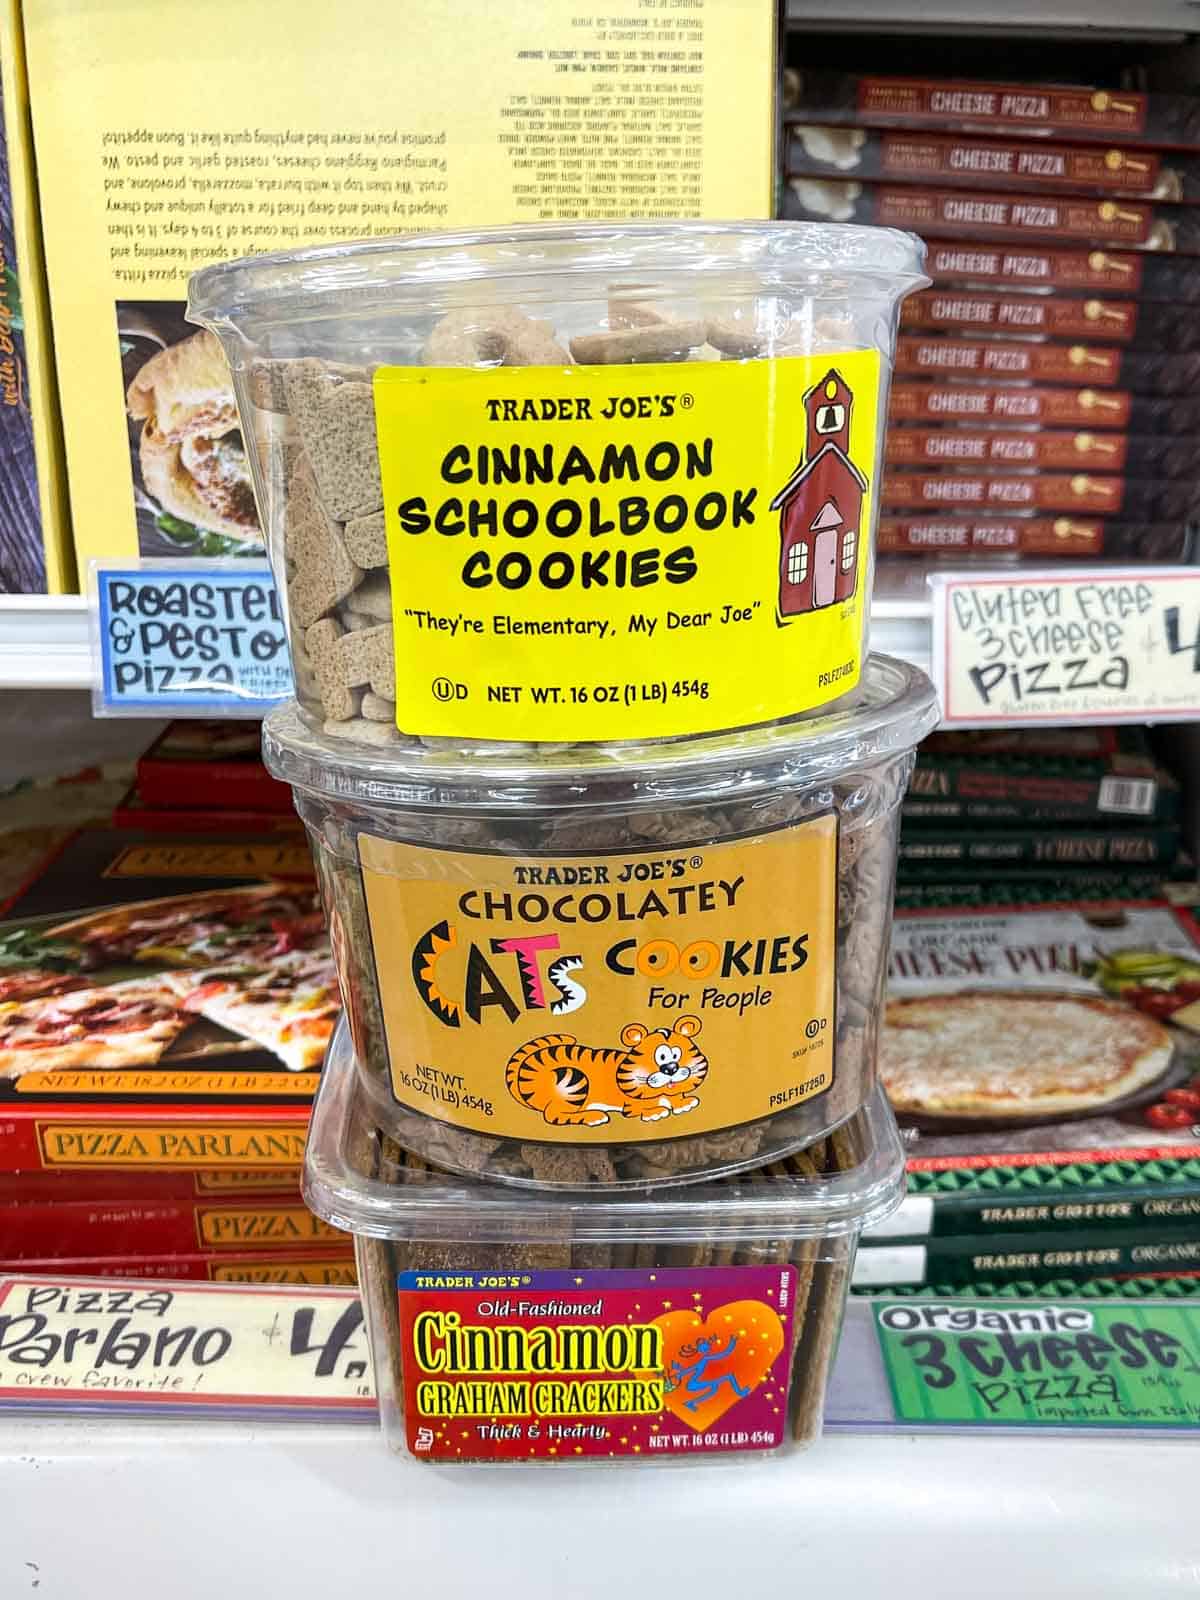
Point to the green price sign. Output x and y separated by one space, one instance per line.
1069 1365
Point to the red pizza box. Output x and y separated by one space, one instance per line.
1080 113
1090 366
201 969
1058 449
1079 494
1028 534
62 1186
994 215
1146 325
332 1265
98 1228
195 765
967 160
134 813
1030 265
947 399
1060 744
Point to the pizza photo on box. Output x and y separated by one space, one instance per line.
1004 1054
183 983
1044 1028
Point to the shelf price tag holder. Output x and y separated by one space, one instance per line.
1070 1366
186 639
1029 645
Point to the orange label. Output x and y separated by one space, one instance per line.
231 1182
282 859
310 1272
261 1227
169 1144
608 998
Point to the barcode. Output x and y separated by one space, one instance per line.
1134 796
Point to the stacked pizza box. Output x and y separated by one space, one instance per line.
167 999
1044 1059
1016 815
207 777
1045 400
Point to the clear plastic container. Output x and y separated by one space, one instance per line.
631 1327
568 970
482 459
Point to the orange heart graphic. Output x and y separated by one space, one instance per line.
709 1376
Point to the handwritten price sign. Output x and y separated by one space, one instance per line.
1066 1365
180 638
1101 643
182 1347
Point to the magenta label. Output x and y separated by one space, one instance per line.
563 1365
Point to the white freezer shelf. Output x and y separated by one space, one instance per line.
193 1509
45 644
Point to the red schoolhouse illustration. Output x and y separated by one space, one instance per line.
820 507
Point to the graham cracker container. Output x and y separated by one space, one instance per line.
621 1328
568 970
568 483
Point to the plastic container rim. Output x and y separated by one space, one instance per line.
890 712
459 1211
780 253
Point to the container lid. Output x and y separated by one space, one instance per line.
345 1151
517 260
890 712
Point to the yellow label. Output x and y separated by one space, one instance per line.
310 1272
231 1182
283 860
610 998
114 1144
262 1226
604 552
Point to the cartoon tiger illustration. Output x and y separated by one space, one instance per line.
572 1084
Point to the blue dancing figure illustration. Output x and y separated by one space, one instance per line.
698 1384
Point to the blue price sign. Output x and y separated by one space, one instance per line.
183 637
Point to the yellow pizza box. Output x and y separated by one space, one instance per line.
36 554
153 161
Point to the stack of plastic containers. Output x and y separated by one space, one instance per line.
575 532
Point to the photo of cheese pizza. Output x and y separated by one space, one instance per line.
1016 1054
